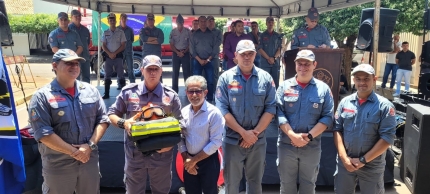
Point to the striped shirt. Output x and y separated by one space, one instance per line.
203 129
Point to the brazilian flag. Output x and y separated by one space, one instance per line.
12 172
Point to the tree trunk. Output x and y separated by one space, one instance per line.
347 57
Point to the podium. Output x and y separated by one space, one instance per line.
327 70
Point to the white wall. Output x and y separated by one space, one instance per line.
20 45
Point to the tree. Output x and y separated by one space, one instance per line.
220 23
34 23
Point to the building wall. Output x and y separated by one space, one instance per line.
20 45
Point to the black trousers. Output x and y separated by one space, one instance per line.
206 179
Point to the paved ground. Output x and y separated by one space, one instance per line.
43 75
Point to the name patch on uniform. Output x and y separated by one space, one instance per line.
348 110
291 93
56 98
61 36
302 36
265 38
234 85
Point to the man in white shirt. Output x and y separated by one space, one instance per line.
202 136
391 65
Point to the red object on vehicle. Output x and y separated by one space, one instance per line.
180 167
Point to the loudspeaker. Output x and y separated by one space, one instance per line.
417 149
424 84
5 33
427 19
387 21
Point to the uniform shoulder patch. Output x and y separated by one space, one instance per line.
392 112
34 116
169 88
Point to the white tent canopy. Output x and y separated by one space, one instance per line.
217 8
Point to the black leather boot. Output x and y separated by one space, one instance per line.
108 82
121 84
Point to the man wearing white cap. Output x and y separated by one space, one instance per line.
246 97
305 110
134 96
365 126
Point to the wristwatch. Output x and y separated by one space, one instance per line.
362 160
92 145
120 123
310 137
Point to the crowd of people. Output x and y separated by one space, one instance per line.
231 111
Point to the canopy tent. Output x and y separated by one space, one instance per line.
218 8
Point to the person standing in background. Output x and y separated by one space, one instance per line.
84 35
179 42
391 66
128 51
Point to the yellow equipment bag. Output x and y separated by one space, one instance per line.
143 129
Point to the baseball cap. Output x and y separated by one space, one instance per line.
305 54
75 12
66 55
210 18
151 60
62 15
150 16
270 18
313 13
366 68
111 15
245 45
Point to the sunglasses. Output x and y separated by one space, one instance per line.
149 112
72 64
197 92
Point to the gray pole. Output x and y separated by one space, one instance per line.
376 33
98 47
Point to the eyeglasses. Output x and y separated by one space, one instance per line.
197 92
72 64
149 112
304 64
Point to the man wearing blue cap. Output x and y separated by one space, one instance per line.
69 118
312 35
113 46
138 166
304 111
180 44
84 35
270 49
63 37
128 51
365 126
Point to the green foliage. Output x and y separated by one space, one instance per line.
220 23
34 23
261 25
411 16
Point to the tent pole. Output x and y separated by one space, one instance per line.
98 47
376 36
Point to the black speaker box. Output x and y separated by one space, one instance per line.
417 149
387 21
5 32
427 19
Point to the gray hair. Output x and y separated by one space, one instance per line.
197 79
